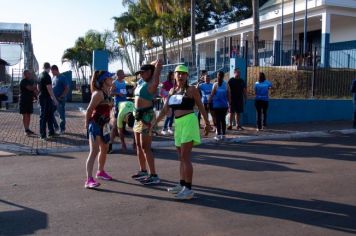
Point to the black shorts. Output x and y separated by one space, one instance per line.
237 107
26 107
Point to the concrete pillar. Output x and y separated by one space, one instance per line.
276 45
325 39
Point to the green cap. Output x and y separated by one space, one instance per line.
181 68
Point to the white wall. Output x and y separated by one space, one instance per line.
342 29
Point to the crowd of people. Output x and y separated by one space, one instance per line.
110 113
51 94
180 100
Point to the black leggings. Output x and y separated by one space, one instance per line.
261 108
220 116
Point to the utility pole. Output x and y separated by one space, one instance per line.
192 29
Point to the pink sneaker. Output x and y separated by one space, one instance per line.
91 183
103 175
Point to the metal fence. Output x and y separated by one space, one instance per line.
316 73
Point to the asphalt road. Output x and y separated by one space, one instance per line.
300 187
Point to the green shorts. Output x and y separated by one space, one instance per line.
143 124
186 130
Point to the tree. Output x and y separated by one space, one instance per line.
80 56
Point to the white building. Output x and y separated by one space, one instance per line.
331 31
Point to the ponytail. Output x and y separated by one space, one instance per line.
94 83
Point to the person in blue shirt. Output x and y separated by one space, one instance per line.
118 90
60 90
353 91
221 100
205 90
262 87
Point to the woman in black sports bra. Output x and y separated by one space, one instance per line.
182 100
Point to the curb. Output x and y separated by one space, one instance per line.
20 149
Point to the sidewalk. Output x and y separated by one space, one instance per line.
13 140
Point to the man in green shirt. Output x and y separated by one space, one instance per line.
125 115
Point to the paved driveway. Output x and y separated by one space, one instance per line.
301 187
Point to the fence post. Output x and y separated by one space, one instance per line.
313 74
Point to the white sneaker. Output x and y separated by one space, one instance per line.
163 132
217 138
176 189
170 131
184 194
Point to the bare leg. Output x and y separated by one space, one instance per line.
186 150
181 166
102 154
237 119
94 150
139 151
26 120
146 141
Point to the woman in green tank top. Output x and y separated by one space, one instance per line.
145 117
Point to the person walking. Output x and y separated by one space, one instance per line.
166 87
220 99
119 92
353 91
145 117
97 120
60 90
182 99
27 93
238 98
48 102
262 87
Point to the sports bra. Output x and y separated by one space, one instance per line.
180 101
142 91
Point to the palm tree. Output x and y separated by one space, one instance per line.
80 56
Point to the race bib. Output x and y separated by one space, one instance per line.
123 91
106 129
207 97
175 99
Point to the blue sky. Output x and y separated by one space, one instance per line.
56 24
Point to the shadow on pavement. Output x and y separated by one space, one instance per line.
324 214
232 160
22 221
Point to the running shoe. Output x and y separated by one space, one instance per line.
103 175
184 194
170 131
239 127
91 183
140 175
176 189
217 138
163 132
29 132
52 135
150 180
